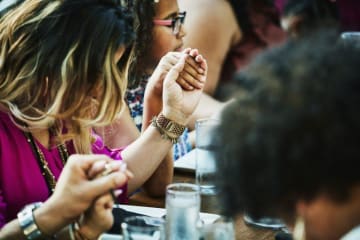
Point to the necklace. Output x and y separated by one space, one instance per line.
43 164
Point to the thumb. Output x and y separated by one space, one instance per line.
173 74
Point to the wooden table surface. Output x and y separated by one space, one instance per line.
243 231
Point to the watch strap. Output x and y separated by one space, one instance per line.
168 129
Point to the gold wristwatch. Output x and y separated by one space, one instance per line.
168 128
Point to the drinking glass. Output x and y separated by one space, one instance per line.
182 211
352 38
265 222
205 156
222 229
143 228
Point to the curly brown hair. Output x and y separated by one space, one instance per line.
145 12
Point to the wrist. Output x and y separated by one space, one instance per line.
176 116
49 220
168 129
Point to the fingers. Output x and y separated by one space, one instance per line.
105 201
189 82
194 66
104 184
175 70
86 161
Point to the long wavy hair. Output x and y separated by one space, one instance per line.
57 65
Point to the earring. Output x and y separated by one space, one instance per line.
299 229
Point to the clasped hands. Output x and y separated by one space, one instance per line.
82 191
177 84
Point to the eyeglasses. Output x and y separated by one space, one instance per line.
175 23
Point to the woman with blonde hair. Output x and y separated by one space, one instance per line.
63 72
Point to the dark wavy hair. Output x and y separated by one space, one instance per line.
295 133
145 13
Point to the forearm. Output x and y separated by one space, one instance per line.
47 218
144 157
156 185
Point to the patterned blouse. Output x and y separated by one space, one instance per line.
135 101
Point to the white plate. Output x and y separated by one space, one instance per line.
186 162
154 212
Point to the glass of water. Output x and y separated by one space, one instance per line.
143 228
351 38
221 229
182 211
205 156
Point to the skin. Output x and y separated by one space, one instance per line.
75 194
326 219
216 47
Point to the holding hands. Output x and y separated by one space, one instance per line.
176 85
83 191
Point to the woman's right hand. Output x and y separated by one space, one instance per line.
76 190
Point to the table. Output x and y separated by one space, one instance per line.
243 231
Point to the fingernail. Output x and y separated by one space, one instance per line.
107 169
200 70
118 192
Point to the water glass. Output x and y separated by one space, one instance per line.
205 156
222 229
143 228
182 211
351 38
265 222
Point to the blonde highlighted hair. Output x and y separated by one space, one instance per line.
57 65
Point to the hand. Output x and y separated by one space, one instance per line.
98 218
189 79
193 74
75 191
179 104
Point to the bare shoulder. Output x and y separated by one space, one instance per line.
218 11
215 17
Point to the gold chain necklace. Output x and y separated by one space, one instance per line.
44 166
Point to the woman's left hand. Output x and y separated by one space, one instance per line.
98 218
178 103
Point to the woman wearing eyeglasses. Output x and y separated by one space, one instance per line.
159 42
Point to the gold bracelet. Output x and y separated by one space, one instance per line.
168 129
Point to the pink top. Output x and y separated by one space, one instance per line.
21 181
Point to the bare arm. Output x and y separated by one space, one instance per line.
145 157
212 28
121 132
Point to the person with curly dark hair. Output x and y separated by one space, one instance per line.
293 139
